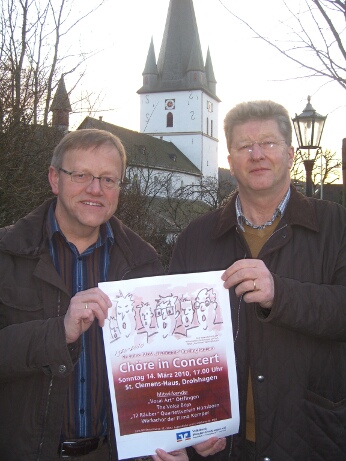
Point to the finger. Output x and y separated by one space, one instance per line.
218 446
248 286
94 294
177 455
229 272
76 322
246 276
210 446
263 295
239 272
95 309
81 313
94 299
238 265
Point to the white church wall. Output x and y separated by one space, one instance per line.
185 106
193 116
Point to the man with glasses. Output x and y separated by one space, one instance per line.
54 395
284 261
166 313
205 307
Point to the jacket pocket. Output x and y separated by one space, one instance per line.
20 298
325 428
323 402
18 305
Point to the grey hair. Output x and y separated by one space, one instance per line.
86 139
258 110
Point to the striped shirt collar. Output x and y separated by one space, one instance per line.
279 211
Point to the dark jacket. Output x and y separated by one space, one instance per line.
35 360
297 351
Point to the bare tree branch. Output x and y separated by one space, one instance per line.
324 45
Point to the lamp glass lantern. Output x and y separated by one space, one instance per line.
308 127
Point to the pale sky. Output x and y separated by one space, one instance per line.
245 68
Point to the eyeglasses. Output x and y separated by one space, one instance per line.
202 305
265 146
106 182
160 310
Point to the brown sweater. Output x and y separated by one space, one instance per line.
255 238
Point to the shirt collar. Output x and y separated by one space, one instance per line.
279 211
53 227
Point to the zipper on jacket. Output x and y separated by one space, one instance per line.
49 393
271 235
125 273
276 230
230 448
45 419
59 303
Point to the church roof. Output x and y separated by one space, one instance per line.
146 151
196 59
180 52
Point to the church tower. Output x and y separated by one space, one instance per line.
61 107
178 101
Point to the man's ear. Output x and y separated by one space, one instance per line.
53 178
230 164
291 156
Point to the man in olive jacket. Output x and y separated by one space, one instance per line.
51 309
284 257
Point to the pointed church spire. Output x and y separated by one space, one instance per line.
180 63
150 73
180 35
210 73
150 65
61 107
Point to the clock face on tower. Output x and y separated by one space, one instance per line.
210 106
169 104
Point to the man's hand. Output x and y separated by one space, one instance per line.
252 279
210 446
83 308
177 455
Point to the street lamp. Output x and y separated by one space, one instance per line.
309 128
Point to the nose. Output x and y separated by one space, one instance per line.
256 152
95 186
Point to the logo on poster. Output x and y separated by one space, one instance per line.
181 436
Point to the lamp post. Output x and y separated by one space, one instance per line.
308 127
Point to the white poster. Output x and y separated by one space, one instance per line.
170 360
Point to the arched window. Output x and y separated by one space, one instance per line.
169 120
